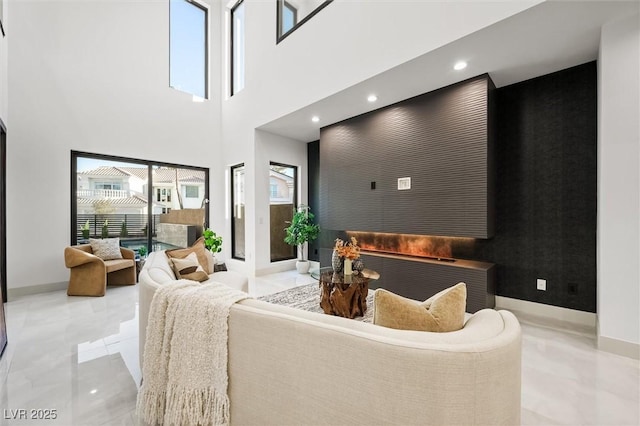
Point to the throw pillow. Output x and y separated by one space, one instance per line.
198 248
106 248
442 312
189 268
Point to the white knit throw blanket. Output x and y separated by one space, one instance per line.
185 355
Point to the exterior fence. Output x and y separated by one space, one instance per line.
135 225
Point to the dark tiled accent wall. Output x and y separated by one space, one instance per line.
438 139
313 166
546 191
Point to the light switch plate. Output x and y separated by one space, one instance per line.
404 183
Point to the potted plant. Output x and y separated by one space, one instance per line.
105 229
212 241
85 230
300 231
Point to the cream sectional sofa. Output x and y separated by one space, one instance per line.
292 367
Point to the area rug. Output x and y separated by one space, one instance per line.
307 298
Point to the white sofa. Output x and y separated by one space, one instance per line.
292 367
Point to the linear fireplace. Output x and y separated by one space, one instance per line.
424 246
418 266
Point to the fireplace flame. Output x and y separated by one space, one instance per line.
405 244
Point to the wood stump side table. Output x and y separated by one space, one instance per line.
344 296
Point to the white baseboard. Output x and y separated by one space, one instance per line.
587 319
13 293
619 347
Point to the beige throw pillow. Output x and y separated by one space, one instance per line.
106 248
198 248
189 268
442 312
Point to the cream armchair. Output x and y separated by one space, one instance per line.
89 275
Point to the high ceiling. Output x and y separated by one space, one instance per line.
548 37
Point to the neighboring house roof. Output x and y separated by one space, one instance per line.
129 201
164 175
107 171
140 172
160 175
281 176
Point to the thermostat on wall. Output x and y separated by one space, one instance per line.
404 183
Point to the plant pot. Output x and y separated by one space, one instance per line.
302 266
85 234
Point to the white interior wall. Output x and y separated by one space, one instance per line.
94 77
619 186
347 42
3 67
270 147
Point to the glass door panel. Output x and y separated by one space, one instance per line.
111 201
237 213
180 202
283 186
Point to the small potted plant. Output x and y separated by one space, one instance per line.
105 229
212 241
300 231
85 230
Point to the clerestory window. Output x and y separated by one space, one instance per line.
188 34
237 48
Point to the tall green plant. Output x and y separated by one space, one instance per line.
301 230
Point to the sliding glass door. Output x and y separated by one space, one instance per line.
3 236
149 206
237 211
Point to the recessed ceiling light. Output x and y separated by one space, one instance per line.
460 65
372 98
315 118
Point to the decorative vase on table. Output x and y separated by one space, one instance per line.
347 270
336 261
358 265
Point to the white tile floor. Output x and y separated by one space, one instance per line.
79 357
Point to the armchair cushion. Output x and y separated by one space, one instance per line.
107 248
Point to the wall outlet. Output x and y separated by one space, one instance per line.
541 284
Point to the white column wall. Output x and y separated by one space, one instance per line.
270 147
93 76
619 187
346 43
3 66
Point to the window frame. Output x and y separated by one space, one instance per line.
192 187
205 8
232 89
150 193
294 201
279 35
233 206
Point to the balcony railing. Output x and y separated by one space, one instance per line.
103 193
